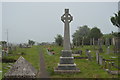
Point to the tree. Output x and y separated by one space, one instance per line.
95 33
116 19
81 35
59 40
116 22
4 44
31 42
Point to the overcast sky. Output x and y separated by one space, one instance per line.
42 21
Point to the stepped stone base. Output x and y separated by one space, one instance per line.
66 64
56 70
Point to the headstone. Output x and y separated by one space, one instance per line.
113 41
109 65
107 42
117 44
97 57
100 60
100 45
112 63
5 52
105 65
21 69
66 64
88 54
108 50
78 52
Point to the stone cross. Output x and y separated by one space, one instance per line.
66 64
66 18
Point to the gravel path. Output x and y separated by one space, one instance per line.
43 72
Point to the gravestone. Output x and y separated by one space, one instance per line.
117 44
108 50
97 57
100 60
107 42
77 53
113 41
109 65
88 54
21 69
66 64
105 65
100 45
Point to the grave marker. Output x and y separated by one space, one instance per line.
100 45
97 57
100 60
21 69
66 64
108 50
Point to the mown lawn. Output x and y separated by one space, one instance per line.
31 55
89 69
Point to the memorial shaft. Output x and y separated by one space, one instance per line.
66 18
66 64
66 43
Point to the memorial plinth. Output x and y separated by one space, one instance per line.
66 64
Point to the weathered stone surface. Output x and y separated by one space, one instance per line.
66 53
66 66
100 45
66 18
78 52
66 59
97 57
100 60
108 50
56 70
20 69
113 72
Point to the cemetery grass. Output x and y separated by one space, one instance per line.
89 69
31 55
